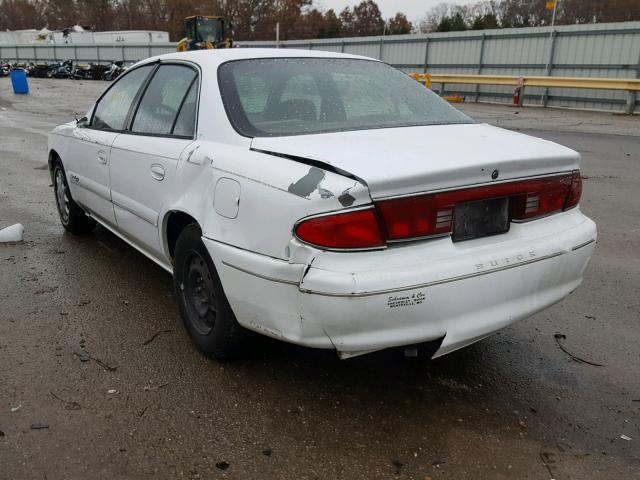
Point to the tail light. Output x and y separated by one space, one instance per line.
547 195
350 230
576 190
415 217
433 214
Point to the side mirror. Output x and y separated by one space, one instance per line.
82 123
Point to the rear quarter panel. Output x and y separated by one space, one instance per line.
274 193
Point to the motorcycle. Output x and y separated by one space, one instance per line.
81 72
4 69
37 70
98 71
92 71
60 70
115 69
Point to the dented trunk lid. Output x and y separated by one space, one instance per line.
399 161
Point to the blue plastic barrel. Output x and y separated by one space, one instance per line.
19 80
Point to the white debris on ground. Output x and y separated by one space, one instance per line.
13 233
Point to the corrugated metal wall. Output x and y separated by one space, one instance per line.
104 52
603 50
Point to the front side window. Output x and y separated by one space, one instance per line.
112 109
296 96
168 102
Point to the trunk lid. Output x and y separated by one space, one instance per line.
399 161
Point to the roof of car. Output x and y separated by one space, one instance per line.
217 56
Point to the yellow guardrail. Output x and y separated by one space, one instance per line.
521 82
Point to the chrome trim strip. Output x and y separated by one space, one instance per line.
541 217
264 277
472 185
578 247
430 284
411 287
416 239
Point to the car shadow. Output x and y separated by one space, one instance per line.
475 372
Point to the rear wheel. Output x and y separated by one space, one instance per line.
203 305
72 217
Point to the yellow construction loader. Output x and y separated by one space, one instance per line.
205 32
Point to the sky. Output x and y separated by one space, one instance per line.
414 9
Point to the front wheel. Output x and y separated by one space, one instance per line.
203 305
72 217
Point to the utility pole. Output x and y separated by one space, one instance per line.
277 34
553 22
553 15
551 5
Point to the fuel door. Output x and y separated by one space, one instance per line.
226 199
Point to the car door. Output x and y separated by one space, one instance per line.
145 157
87 164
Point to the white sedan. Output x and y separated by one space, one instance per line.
327 200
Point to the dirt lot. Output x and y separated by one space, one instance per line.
80 318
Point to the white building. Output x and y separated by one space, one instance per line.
78 35
20 37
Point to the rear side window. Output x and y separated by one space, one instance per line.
112 109
300 99
168 102
186 121
253 92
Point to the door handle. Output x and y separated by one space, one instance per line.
102 157
157 172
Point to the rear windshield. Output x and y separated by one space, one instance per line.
295 96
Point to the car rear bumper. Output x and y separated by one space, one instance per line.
366 301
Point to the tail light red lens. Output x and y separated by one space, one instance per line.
576 190
431 215
547 195
415 217
350 230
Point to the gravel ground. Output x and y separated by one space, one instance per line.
92 348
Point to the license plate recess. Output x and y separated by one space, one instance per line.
481 219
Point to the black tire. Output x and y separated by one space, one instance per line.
72 217
203 305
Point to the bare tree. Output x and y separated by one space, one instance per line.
348 22
256 19
434 17
331 26
526 13
19 14
367 19
399 25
